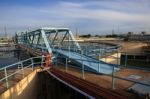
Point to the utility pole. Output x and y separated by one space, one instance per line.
5 31
76 32
118 29
28 29
113 32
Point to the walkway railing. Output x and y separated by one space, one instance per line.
112 75
6 72
19 68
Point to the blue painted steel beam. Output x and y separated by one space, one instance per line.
46 41
32 38
75 42
61 43
54 37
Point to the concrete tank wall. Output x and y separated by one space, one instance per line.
24 89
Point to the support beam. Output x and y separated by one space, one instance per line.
54 37
61 43
46 41
38 39
75 42
33 36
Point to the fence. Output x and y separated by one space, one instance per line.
39 61
9 71
112 75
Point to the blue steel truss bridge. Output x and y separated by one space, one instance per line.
61 44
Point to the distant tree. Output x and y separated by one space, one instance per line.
129 33
89 35
86 36
112 36
96 35
143 32
126 39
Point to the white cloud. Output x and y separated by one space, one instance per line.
88 16
81 12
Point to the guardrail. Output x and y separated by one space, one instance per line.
13 69
113 75
86 49
39 61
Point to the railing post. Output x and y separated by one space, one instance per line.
99 61
126 59
42 49
83 70
105 52
56 61
22 68
113 79
6 78
69 51
82 65
76 50
42 60
105 58
86 49
117 58
32 64
66 65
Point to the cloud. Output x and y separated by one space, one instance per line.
96 16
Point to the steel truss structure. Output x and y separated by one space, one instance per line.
48 39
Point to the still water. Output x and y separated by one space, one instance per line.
10 55
7 58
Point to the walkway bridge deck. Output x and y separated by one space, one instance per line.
89 63
81 60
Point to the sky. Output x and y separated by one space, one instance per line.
86 16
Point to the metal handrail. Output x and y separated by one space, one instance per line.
6 68
6 76
110 75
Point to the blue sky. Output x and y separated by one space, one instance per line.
89 16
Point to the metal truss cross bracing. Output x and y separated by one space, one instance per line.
48 39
